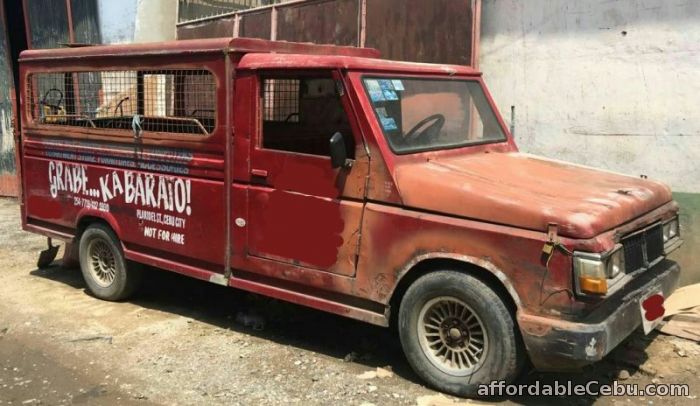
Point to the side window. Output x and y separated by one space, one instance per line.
172 101
301 114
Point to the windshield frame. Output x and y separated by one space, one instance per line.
476 80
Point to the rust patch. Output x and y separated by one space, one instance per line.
309 22
216 28
256 25
528 192
9 185
419 26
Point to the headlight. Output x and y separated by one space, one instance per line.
593 271
616 262
671 229
589 270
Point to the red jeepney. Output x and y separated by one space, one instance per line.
385 191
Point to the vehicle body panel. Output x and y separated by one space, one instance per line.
113 162
288 225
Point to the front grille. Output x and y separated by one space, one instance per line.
643 247
634 252
655 243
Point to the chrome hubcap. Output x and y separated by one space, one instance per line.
101 263
452 336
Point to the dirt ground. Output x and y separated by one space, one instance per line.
183 341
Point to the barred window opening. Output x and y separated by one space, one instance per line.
302 114
173 101
281 100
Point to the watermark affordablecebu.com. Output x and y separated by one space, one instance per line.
592 388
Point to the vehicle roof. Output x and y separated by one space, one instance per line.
259 54
196 46
261 61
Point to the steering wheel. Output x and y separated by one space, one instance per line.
57 105
438 121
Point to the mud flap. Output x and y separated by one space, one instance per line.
70 255
47 256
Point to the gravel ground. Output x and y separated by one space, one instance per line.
183 341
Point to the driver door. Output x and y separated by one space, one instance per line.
301 210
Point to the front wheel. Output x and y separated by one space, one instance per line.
104 268
457 333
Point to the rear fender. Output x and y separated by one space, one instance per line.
86 216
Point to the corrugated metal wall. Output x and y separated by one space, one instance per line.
8 180
86 27
51 24
48 23
438 31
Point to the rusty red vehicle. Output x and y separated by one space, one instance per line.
384 191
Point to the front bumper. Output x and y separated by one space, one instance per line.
555 344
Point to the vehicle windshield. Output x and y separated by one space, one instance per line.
429 114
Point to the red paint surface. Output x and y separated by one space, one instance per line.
318 177
653 307
336 239
301 228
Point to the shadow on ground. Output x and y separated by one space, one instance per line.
331 335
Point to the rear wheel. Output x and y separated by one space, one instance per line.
457 333
106 272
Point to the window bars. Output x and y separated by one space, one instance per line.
189 10
281 100
173 101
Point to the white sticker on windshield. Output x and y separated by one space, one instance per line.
381 111
374 90
398 85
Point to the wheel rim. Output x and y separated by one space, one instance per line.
452 336
101 262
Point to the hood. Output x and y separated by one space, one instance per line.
528 192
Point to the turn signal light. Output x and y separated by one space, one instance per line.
593 285
593 270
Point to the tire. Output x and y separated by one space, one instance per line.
462 311
103 265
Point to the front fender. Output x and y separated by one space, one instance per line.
466 259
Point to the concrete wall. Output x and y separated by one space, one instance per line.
117 20
128 21
155 20
613 84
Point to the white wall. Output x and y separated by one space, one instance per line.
128 21
608 83
117 20
156 20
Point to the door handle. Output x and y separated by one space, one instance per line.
260 173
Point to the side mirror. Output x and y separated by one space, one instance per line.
339 156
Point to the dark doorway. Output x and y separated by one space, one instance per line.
17 37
